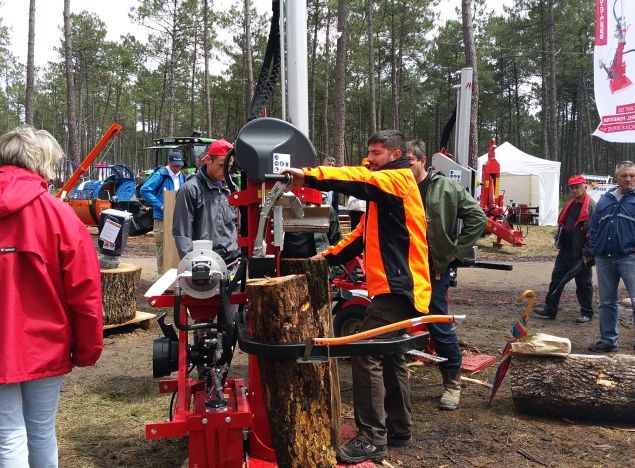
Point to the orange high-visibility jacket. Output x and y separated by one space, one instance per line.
392 233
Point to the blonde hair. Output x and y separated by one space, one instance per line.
35 150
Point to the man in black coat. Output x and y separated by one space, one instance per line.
572 239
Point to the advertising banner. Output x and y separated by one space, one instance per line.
614 69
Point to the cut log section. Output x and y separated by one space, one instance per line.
317 274
579 387
302 400
119 287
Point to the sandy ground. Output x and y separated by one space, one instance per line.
104 408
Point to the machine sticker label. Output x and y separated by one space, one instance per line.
7 250
110 232
281 161
108 246
455 175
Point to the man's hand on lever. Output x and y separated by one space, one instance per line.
297 174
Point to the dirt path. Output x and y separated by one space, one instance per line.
104 409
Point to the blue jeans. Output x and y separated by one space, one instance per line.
447 344
609 271
27 423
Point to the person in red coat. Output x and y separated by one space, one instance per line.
50 298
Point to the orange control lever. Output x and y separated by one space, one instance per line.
404 324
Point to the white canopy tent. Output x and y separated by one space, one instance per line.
517 163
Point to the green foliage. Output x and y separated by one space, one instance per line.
415 59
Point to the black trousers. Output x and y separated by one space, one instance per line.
565 261
381 390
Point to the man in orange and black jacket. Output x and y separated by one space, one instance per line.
392 236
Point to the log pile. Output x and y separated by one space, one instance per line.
119 287
302 400
578 387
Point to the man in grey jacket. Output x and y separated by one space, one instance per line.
202 210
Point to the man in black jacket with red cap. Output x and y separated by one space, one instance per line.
572 240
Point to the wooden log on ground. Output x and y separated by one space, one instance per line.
579 386
119 288
302 400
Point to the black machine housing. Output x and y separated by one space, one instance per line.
259 141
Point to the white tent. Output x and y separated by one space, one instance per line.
517 163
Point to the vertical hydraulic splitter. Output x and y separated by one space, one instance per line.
223 417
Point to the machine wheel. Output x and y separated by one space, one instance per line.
348 320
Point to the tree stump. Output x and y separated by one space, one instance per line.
119 287
302 400
579 386
317 274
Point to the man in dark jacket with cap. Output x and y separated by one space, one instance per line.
202 210
169 177
573 241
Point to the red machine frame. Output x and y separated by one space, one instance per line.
492 202
216 438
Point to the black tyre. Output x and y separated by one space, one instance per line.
348 320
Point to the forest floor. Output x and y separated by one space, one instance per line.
104 408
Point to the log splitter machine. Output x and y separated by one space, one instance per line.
225 418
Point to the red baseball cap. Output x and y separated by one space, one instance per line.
575 180
216 148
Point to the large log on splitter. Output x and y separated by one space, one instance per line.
119 287
579 386
302 400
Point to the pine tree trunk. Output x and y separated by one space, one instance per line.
30 67
470 61
313 74
302 400
73 132
208 107
119 287
579 386
552 107
325 98
248 61
340 82
372 111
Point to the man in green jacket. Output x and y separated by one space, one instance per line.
445 203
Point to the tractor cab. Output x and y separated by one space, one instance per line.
192 148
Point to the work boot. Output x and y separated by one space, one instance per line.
583 319
451 389
395 440
544 313
359 450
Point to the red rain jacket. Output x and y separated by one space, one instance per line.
50 286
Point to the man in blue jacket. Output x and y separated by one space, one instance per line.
613 247
169 177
